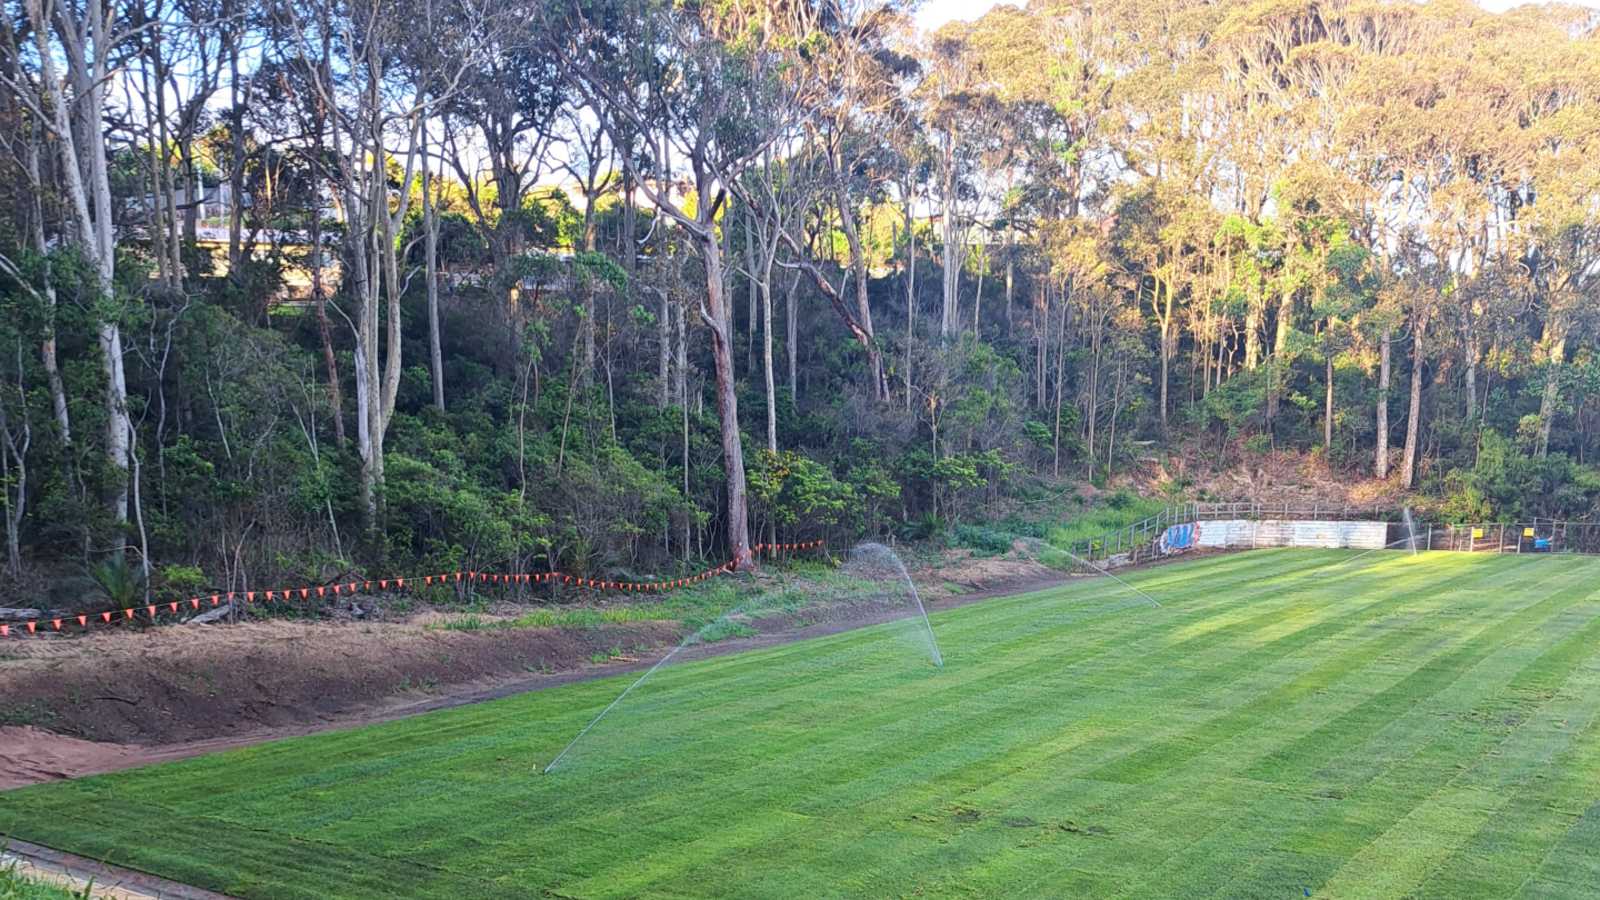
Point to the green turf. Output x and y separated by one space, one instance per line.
1419 726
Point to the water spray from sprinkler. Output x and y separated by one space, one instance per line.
626 691
860 555
863 553
1394 543
1117 579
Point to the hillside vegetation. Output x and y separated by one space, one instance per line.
626 287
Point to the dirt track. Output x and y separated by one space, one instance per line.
114 701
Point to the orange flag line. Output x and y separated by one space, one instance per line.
152 610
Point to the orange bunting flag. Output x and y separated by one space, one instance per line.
250 596
107 617
458 576
5 630
305 593
383 584
32 627
173 605
127 613
427 579
399 582
83 621
56 623
194 602
321 593
351 587
151 610
269 596
366 585
215 598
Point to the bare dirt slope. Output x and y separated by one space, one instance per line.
1299 479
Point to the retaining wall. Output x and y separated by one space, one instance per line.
1235 534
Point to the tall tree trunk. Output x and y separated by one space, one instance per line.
236 164
1166 319
1408 467
1380 466
791 346
952 265
1470 329
1010 278
753 301
79 136
1555 358
681 349
1327 406
586 330
717 320
47 347
1092 402
977 301
766 361
858 268
1252 337
1061 381
366 366
664 352
430 251
1277 373
1040 314
589 322
911 292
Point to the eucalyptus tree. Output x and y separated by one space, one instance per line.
62 86
783 190
858 106
718 86
500 126
380 79
1558 242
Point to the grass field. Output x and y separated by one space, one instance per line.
1398 726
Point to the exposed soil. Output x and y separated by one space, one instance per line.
1301 479
115 700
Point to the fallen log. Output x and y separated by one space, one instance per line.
212 615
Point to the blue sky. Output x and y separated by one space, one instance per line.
937 12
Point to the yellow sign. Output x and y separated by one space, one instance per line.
1527 532
1477 533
